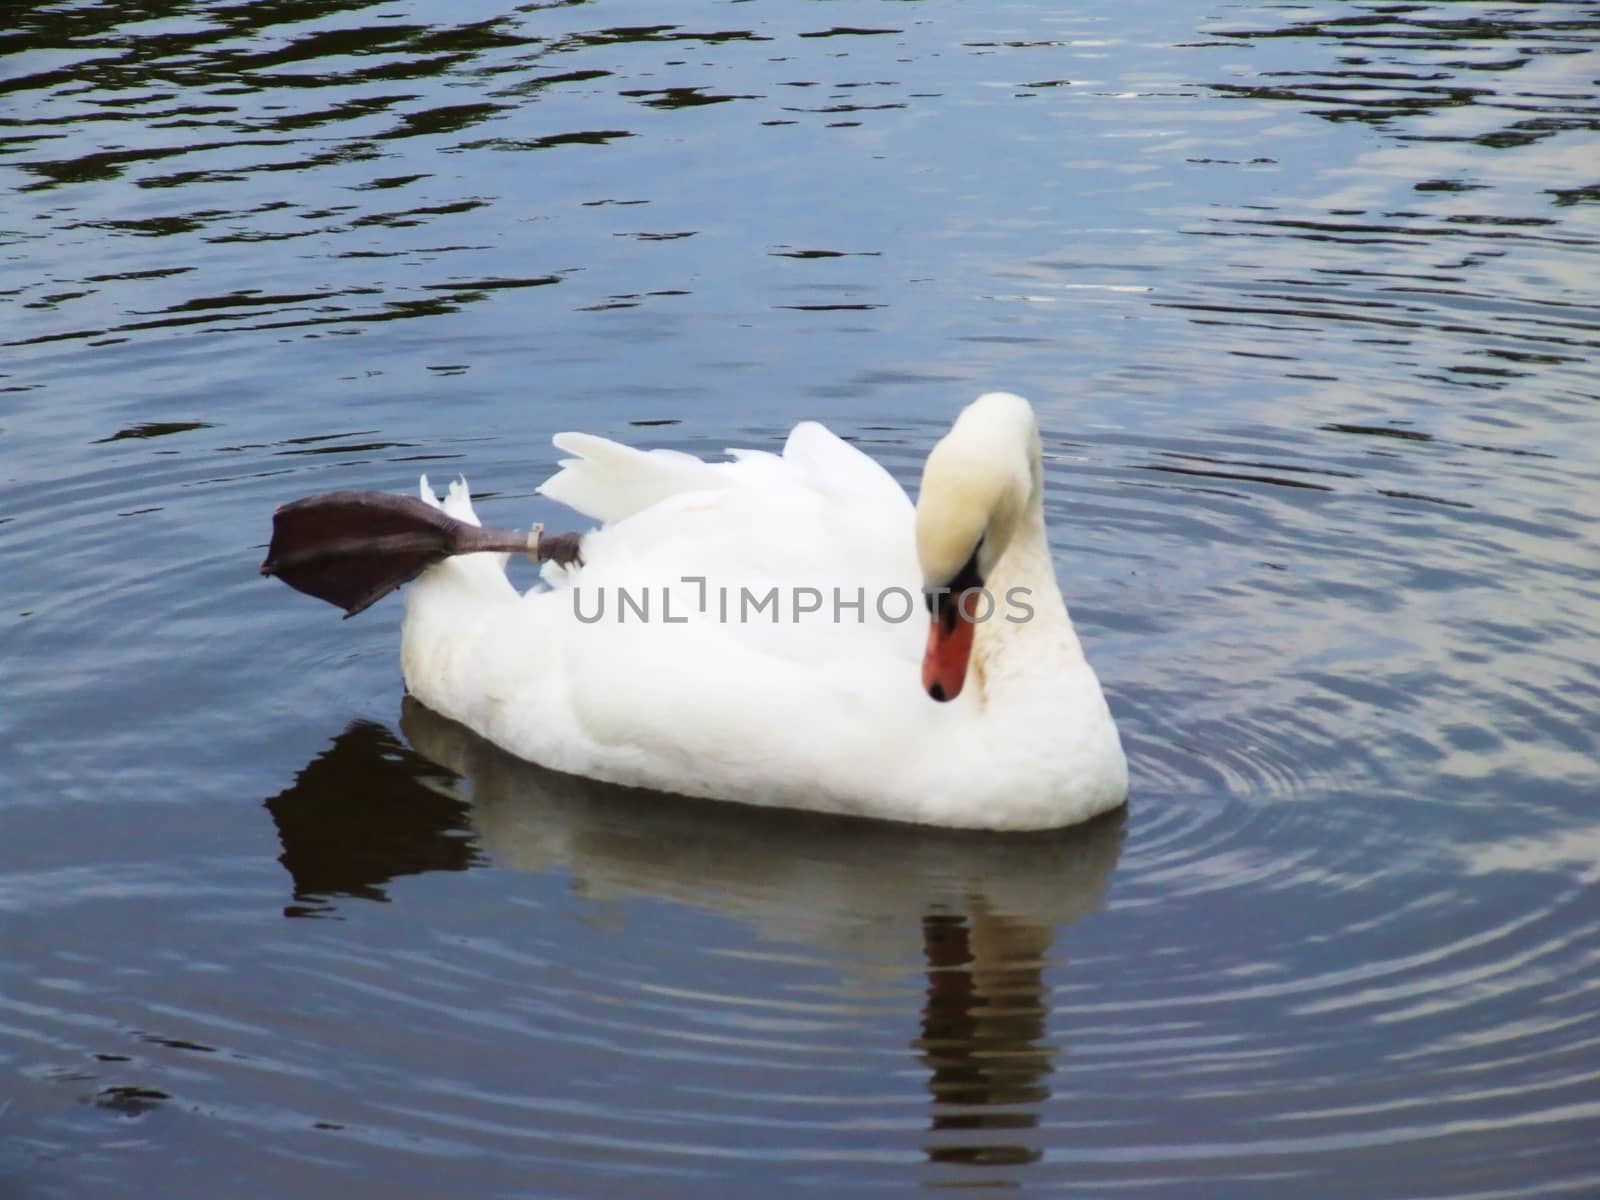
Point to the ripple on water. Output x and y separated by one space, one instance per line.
1304 299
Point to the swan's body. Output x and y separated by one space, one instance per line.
708 695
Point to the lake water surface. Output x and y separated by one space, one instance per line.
1306 297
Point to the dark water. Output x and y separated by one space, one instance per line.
1306 296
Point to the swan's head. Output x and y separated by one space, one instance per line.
980 482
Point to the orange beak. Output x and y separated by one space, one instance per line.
944 663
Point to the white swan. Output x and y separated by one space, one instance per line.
754 631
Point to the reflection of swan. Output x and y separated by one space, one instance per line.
771 656
361 813
795 875
981 912
985 909
982 1032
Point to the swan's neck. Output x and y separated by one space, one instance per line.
1015 646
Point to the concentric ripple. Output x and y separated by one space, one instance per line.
1304 298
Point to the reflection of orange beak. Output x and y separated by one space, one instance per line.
944 663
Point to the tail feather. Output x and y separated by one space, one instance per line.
457 500
484 573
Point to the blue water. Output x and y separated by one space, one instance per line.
1305 297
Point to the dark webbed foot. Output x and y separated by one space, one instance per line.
353 548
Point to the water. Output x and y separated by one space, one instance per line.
1305 296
